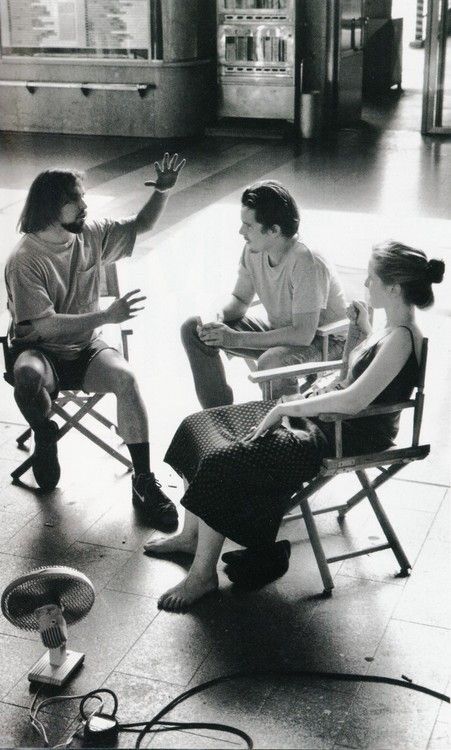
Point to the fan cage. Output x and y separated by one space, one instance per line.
64 586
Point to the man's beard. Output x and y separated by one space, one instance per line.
74 227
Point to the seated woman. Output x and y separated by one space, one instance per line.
240 481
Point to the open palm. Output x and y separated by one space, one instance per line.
167 172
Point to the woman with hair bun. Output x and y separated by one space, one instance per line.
240 475
395 263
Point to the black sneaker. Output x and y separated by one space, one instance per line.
46 468
150 500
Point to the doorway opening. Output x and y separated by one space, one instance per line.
393 70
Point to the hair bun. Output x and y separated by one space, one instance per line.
435 270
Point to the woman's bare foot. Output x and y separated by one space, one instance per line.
193 588
164 545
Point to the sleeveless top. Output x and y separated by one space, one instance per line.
377 432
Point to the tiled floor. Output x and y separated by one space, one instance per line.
359 187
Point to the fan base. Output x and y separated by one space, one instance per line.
43 671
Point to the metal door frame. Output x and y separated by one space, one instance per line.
434 69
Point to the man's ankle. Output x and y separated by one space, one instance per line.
140 455
45 430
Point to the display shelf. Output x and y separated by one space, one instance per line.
257 55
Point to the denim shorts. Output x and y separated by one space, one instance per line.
69 373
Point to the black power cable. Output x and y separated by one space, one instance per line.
101 727
342 676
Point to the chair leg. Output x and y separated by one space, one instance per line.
361 494
101 443
267 391
71 421
386 526
317 547
23 437
103 420
74 422
94 413
24 466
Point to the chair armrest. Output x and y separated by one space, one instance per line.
370 412
338 418
301 370
338 326
125 333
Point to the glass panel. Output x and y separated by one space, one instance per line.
351 25
437 80
76 28
254 4
258 47
443 106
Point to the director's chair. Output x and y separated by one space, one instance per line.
388 463
85 403
337 328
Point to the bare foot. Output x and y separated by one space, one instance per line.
193 588
163 545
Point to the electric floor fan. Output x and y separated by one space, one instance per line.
49 599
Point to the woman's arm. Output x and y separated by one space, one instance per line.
389 360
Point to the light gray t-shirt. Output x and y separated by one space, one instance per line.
303 282
42 278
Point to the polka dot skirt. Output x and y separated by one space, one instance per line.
241 489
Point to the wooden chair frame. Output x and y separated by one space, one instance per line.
388 462
85 402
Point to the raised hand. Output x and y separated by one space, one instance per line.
358 313
167 172
124 308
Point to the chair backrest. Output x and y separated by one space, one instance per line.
419 397
416 403
109 284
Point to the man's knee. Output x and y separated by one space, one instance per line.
274 357
188 330
123 380
28 380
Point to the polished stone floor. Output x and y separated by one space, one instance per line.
362 186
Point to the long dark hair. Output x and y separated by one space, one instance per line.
48 193
273 204
396 263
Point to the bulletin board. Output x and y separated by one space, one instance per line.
98 29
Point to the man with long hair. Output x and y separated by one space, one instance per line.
53 285
297 287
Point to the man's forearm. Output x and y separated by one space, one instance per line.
151 211
289 336
69 325
234 309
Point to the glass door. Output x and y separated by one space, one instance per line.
437 69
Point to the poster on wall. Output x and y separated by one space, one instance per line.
81 28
